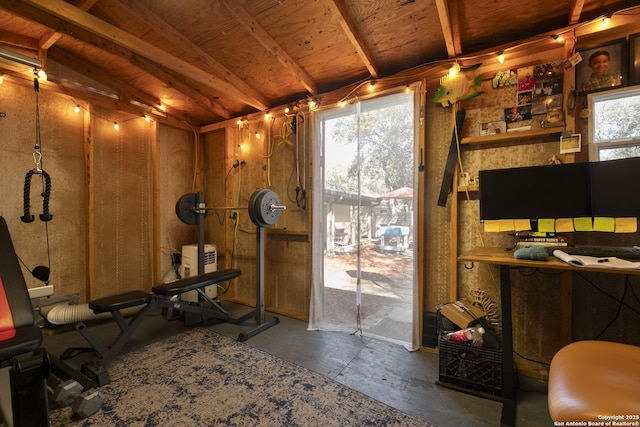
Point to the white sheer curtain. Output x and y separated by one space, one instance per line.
317 308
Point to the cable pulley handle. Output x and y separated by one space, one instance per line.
277 208
27 217
46 194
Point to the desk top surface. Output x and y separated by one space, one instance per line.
505 257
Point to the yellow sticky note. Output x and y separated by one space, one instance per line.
605 224
564 225
491 226
548 225
506 225
521 224
626 225
583 224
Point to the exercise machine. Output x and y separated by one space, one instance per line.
264 209
24 366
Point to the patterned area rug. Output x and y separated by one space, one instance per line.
202 378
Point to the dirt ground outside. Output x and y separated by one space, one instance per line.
387 290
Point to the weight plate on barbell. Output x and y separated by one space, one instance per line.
253 207
260 208
186 209
268 215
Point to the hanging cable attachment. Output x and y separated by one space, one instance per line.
46 191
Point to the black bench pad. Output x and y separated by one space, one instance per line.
119 301
192 283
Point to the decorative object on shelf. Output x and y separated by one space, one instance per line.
505 78
493 128
526 79
458 87
570 144
555 115
517 114
603 67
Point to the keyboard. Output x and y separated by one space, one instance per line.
623 252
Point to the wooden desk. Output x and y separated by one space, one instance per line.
506 261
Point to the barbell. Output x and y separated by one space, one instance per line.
264 208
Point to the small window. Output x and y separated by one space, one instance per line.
614 124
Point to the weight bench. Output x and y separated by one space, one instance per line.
165 296
24 366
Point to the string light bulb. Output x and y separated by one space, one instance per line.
77 108
372 86
312 104
1 79
500 57
257 135
454 70
147 119
605 21
116 126
557 38
40 73
267 116
162 108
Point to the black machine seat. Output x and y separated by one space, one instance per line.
120 301
24 340
192 283
18 332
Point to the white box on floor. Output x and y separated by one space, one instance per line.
189 267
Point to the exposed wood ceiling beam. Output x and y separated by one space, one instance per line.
70 14
245 19
178 39
179 85
8 38
108 103
353 35
575 11
50 37
84 4
454 19
445 23
126 91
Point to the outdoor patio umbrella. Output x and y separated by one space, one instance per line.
400 193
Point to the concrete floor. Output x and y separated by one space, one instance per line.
385 371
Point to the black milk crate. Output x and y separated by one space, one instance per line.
474 370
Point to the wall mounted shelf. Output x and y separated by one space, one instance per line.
511 136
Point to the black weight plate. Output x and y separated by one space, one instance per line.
254 207
267 216
185 209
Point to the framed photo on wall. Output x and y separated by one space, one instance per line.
570 144
603 67
634 41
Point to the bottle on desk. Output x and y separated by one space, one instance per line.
475 334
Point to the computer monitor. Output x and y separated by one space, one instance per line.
550 191
613 191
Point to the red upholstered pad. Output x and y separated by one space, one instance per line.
589 380
7 328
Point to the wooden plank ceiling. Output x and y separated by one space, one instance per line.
208 61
